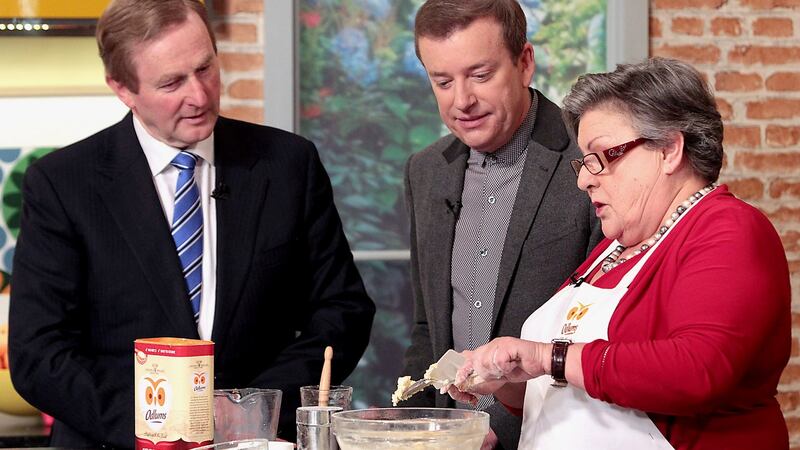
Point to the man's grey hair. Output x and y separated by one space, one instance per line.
662 97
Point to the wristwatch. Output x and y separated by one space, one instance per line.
558 361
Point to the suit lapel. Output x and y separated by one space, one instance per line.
548 140
127 189
237 219
448 191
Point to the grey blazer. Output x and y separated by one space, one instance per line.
552 230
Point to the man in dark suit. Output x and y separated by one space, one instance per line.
497 221
102 254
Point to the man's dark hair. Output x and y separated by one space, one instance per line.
439 19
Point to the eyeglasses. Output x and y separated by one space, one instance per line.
594 164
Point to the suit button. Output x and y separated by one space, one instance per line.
478 304
492 199
484 252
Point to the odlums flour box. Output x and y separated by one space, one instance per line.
174 393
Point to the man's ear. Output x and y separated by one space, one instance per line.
527 63
673 154
123 93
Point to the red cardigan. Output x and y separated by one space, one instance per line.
702 336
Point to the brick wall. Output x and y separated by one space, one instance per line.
748 49
750 52
238 26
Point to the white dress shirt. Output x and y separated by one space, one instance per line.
165 177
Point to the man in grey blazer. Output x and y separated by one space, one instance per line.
497 221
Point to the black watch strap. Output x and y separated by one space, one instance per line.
558 361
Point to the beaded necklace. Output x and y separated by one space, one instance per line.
613 260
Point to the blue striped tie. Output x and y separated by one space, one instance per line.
187 228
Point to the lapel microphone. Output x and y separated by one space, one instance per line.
454 206
575 280
220 191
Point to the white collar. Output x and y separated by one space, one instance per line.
159 155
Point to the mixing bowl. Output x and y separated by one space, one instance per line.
249 444
10 401
410 429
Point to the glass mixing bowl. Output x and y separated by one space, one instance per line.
410 429
248 444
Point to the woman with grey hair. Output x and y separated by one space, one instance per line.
675 331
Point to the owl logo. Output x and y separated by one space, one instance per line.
155 399
199 382
577 312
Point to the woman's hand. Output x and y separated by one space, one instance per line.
502 367
503 360
461 396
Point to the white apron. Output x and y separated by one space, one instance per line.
568 418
